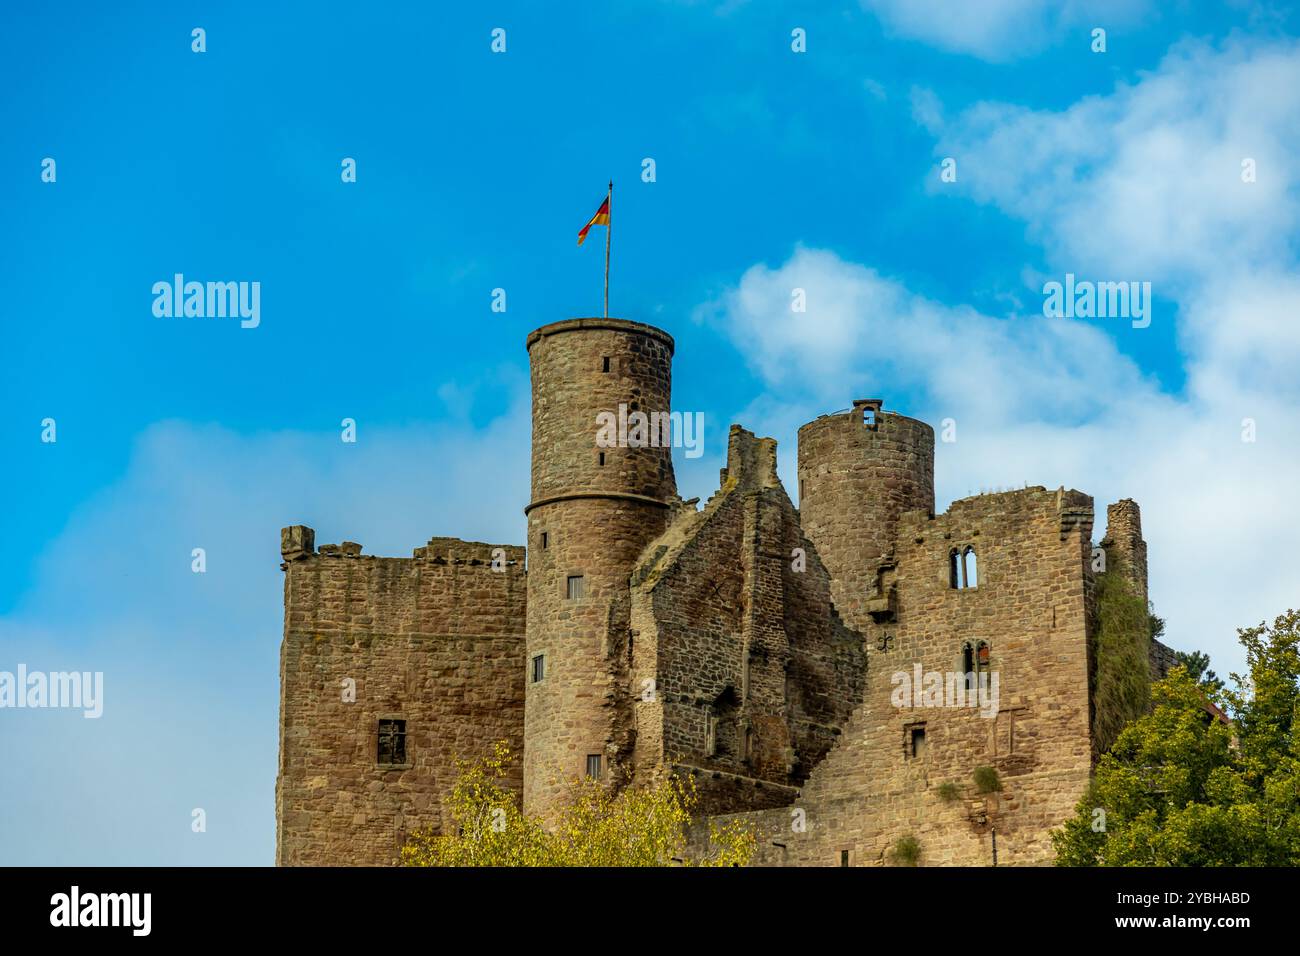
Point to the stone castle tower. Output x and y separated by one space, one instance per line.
593 511
858 474
757 647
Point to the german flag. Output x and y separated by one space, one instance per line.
600 219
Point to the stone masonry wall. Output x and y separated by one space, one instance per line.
436 640
753 672
593 509
1030 608
855 480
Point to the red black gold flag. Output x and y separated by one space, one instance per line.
600 219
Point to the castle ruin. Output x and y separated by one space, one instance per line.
751 644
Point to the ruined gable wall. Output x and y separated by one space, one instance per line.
436 640
742 645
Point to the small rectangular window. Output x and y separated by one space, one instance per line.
577 588
602 458
844 857
605 364
545 540
392 742
869 417
593 766
916 742
539 668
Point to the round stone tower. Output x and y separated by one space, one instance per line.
858 471
602 489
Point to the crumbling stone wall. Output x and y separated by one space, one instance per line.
752 672
1029 606
1124 545
436 640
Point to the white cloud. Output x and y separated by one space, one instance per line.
1001 30
1147 184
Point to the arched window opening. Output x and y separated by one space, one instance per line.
967 659
954 569
970 572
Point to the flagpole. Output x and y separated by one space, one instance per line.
609 229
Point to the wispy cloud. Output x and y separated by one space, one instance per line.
190 661
1000 30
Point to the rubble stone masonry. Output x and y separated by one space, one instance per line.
436 641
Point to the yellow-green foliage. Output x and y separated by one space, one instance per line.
1122 689
640 826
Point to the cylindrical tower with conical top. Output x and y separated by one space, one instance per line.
858 471
599 495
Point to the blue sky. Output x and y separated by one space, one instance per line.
774 170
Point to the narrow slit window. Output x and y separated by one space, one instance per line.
844 857
546 540
970 571
392 742
539 668
602 459
916 743
967 659
604 364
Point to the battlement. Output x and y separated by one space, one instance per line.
298 543
444 550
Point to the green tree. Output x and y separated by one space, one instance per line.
638 826
1182 788
1198 667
